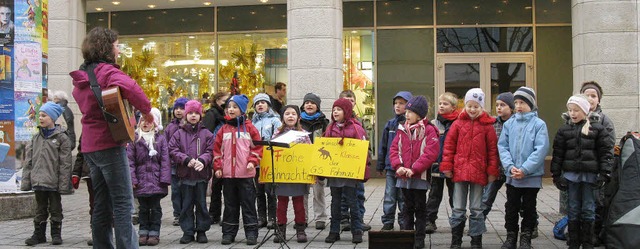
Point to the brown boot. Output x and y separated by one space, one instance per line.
300 234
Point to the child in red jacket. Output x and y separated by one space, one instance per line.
413 150
471 157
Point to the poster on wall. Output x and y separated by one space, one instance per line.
8 176
27 105
28 20
6 66
45 70
28 67
6 102
45 27
6 23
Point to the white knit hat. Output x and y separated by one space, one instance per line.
581 101
476 95
157 118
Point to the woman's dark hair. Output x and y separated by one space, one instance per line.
98 45
214 99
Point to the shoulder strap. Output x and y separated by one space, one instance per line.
97 92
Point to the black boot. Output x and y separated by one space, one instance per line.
588 228
282 234
574 235
525 239
512 240
476 242
301 235
38 234
456 236
56 233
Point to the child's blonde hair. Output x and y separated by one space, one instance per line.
450 97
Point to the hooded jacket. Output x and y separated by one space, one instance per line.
192 142
416 149
470 149
48 163
524 143
387 141
171 128
151 174
94 127
266 123
213 119
234 150
576 152
68 118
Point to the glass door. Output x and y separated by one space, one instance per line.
494 74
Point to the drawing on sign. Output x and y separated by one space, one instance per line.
324 154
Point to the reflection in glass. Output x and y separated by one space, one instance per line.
553 11
473 12
476 40
252 17
404 13
168 21
460 77
357 14
506 77
100 19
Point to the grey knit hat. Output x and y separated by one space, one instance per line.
527 95
313 98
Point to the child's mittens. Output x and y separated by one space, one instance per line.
153 152
75 181
561 183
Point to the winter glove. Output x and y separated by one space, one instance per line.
602 180
561 183
75 181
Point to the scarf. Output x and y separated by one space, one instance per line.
416 131
308 117
449 116
236 122
149 137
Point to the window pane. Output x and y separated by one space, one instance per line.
253 17
357 14
506 77
460 77
553 11
474 40
100 19
404 13
456 12
168 21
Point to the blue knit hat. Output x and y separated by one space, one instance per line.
52 110
241 100
180 102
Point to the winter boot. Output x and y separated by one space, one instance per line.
588 228
511 241
301 236
456 236
56 233
282 236
356 237
38 234
574 235
525 239
333 237
476 242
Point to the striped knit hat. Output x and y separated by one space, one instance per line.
527 95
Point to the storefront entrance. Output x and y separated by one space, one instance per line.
492 73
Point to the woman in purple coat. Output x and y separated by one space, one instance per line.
150 176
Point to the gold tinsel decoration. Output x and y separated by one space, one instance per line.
250 75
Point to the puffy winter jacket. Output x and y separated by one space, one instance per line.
576 152
234 150
316 127
171 128
387 140
470 149
151 174
523 143
94 127
266 123
213 119
192 142
47 163
417 149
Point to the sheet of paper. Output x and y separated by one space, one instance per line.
290 137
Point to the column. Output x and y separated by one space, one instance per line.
66 31
314 32
605 50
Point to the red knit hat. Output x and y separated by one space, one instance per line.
346 107
193 106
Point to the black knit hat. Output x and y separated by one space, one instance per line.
419 105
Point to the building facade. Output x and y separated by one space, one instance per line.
374 48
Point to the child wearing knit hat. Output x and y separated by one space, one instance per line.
172 127
470 157
504 111
582 159
414 149
150 175
523 146
46 169
235 160
191 149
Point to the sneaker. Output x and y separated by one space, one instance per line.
143 240
357 237
431 227
387 227
176 221
252 241
202 237
419 244
186 239
333 237
227 239
366 227
320 225
153 240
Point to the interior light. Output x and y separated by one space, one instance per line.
417 8
264 1
115 3
140 39
192 37
99 9
528 7
207 3
151 6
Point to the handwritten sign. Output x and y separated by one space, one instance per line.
330 159
292 165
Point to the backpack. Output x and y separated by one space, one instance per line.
560 228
